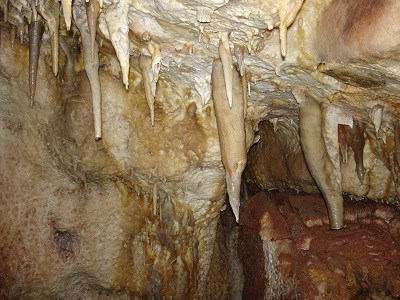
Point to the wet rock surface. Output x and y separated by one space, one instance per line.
303 259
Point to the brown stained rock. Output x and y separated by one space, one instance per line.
252 257
277 161
361 260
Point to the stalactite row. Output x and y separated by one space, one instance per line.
39 13
230 88
383 135
353 138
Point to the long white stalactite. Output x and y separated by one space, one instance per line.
67 11
91 63
231 131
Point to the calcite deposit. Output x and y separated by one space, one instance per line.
126 127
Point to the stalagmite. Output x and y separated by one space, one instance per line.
231 131
226 59
36 29
50 11
317 157
92 13
67 11
149 82
91 67
118 26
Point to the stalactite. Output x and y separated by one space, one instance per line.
227 64
238 50
145 64
13 33
345 135
244 91
317 157
357 146
50 11
155 199
397 141
33 8
286 18
67 11
92 13
118 27
69 45
5 10
20 31
36 29
91 66
376 117
231 131
331 118
353 138
156 57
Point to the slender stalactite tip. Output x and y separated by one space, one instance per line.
67 11
35 29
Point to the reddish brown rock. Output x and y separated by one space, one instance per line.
311 261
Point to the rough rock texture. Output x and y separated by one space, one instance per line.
81 214
304 259
112 184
